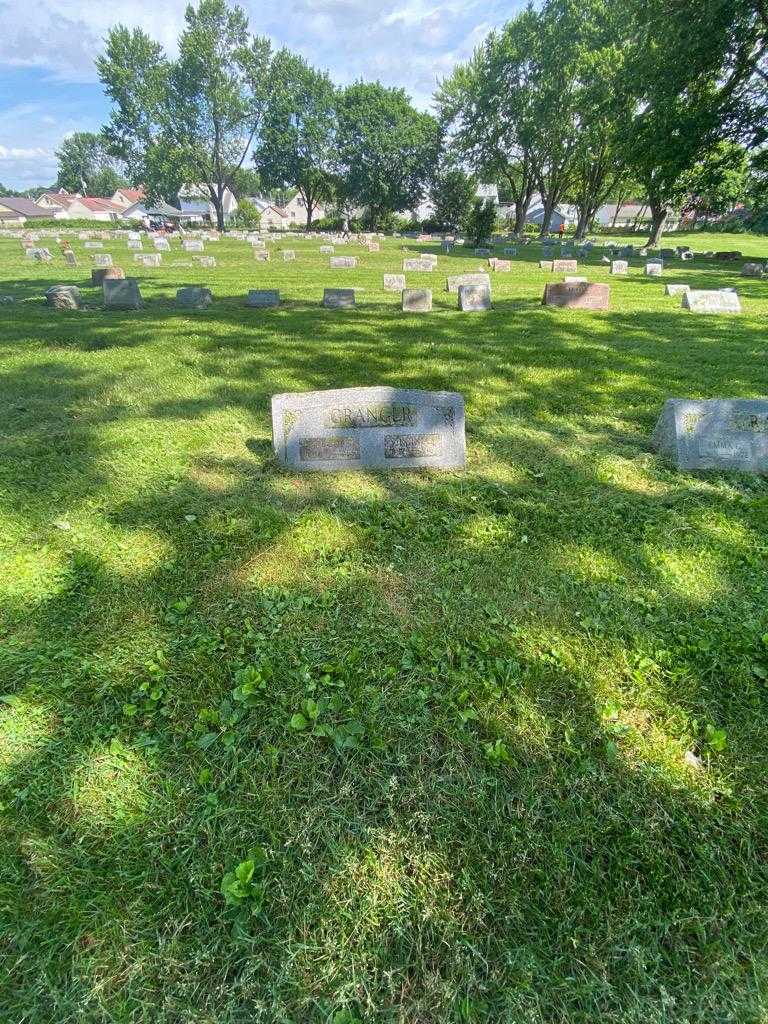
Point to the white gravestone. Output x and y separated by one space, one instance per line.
654 269
455 281
619 267
677 289
394 282
700 301
377 428
474 298
342 262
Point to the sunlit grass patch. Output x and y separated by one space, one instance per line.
110 786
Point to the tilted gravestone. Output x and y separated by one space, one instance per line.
654 269
619 267
565 266
577 296
342 262
193 297
455 281
419 264
700 301
474 298
338 298
63 296
677 289
416 300
376 428
715 433
121 294
753 270
263 298
69 258
394 282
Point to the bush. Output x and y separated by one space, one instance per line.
247 215
481 220
46 223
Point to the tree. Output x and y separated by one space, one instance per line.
452 192
297 143
717 182
481 220
193 119
247 215
86 166
386 149
246 182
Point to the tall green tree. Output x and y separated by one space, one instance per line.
193 119
386 149
298 138
452 192
717 182
86 166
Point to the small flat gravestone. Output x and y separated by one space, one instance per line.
753 270
575 280
193 245
339 298
121 294
474 298
261 255
716 433
455 281
546 265
394 282
102 259
654 269
419 263
577 296
63 296
565 266
263 298
501 266
369 428
193 297
327 250
289 255
700 301
677 289
619 267
416 300
162 245
342 262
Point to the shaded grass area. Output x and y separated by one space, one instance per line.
446 716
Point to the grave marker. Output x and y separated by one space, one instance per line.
394 282
339 298
654 269
701 301
474 298
619 267
289 255
63 296
676 289
263 298
455 281
362 428
121 294
416 300
193 297
342 262
577 296
716 433
753 270
563 266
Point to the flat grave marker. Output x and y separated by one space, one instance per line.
342 262
339 298
705 301
263 298
454 281
577 295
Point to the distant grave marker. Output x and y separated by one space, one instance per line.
753 270
263 298
289 255
701 301
418 264
654 269
342 262
455 281
394 282
577 296
565 266
376 428
677 289
619 267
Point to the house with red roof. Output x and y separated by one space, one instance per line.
126 197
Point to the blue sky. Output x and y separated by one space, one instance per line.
48 88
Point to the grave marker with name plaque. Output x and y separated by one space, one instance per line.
342 262
263 298
455 281
565 266
416 300
716 433
577 295
369 428
394 282
619 267
339 298
700 301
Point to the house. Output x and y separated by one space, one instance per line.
146 210
91 208
296 212
623 215
57 202
561 216
126 197
196 200
15 210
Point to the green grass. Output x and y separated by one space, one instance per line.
492 818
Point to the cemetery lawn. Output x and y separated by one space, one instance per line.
494 742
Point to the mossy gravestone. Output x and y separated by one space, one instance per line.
474 298
416 300
717 433
63 296
377 428
338 298
194 297
121 294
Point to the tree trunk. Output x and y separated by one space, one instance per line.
549 205
658 220
218 206
617 211
583 223
310 208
